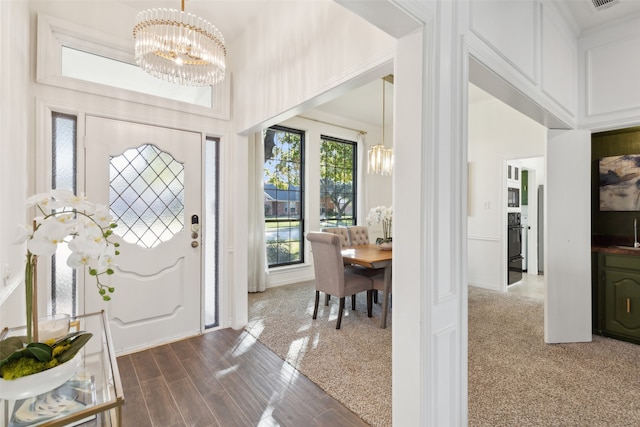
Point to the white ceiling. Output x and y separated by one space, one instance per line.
365 103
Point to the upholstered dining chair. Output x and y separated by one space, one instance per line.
331 276
340 231
378 285
343 233
358 235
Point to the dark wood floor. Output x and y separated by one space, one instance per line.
224 378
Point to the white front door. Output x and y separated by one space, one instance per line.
151 178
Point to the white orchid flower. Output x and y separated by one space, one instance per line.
66 198
77 260
43 200
23 234
106 260
89 242
47 236
102 216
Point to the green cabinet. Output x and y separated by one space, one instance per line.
525 187
619 296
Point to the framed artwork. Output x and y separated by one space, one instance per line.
620 183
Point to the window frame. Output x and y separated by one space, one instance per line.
300 215
354 177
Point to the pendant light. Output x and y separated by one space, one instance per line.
179 47
381 158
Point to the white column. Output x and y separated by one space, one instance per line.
567 236
430 187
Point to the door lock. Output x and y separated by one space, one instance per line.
194 244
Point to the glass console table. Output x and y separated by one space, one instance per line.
95 391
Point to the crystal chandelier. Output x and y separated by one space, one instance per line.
179 47
381 158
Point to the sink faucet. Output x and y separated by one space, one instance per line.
635 233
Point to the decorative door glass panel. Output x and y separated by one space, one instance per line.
146 195
64 168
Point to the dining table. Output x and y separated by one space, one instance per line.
374 257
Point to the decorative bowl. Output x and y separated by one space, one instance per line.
41 382
387 246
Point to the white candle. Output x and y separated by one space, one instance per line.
53 328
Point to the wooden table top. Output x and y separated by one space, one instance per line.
367 255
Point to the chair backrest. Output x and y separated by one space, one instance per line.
358 235
327 262
341 232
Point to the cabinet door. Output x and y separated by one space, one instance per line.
622 303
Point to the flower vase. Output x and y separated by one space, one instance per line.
385 246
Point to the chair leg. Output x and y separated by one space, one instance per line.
370 295
375 296
340 310
353 302
315 308
326 299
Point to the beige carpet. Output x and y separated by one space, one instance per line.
514 378
352 364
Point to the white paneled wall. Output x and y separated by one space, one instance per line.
531 47
609 64
511 30
559 62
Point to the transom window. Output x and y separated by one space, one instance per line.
337 183
284 195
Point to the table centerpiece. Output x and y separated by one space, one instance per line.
384 215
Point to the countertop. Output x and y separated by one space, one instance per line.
615 249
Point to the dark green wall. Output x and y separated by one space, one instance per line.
605 144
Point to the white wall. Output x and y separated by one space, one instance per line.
497 133
16 152
279 67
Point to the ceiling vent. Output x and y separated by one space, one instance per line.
603 4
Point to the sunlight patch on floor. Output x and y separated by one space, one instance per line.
297 350
224 372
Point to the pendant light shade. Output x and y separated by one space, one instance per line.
380 159
179 47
